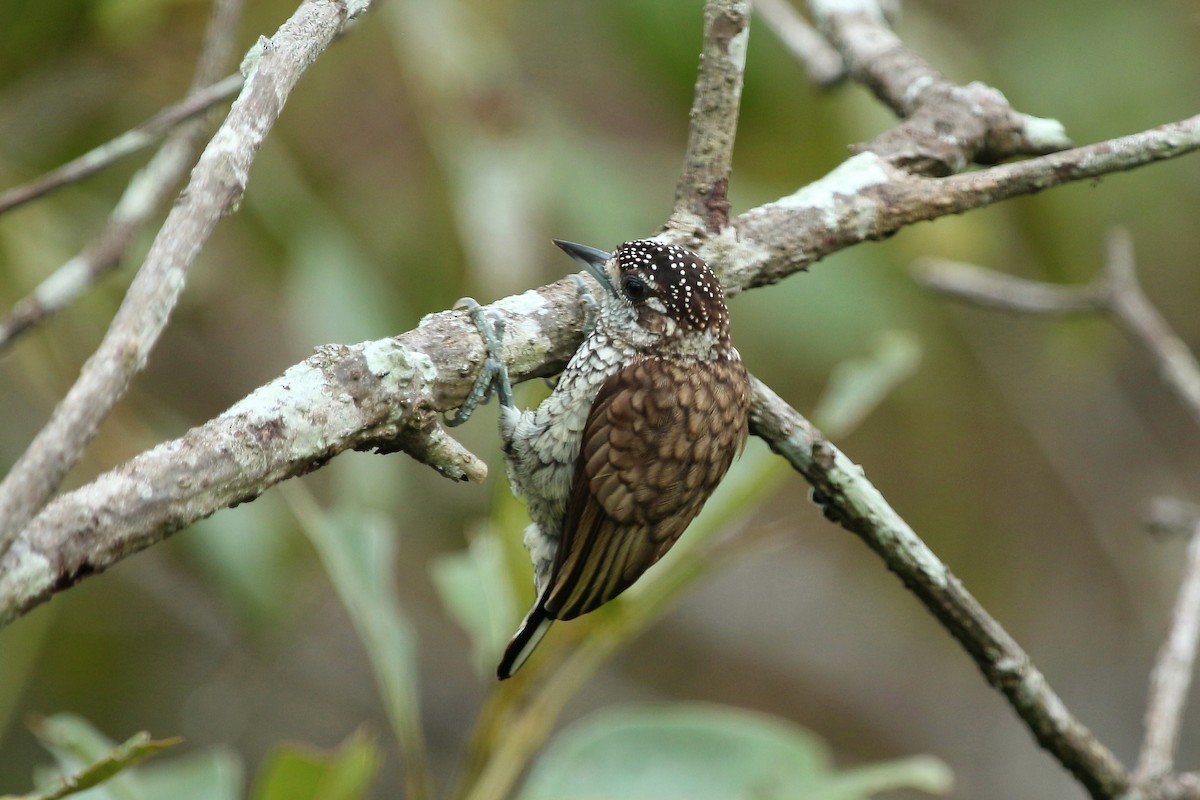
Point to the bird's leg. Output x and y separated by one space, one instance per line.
591 310
493 375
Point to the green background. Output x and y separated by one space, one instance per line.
433 153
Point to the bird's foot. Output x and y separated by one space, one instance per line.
493 375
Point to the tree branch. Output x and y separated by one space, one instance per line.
150 188
1172 674
989 289
385 395
761 247
1118 293
849 499
704 181
866 198
128 143
1142 321
946 126
824 65
216 185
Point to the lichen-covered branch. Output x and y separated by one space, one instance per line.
848 498
385 395
946 126
867 198
761 247
217 183
704 181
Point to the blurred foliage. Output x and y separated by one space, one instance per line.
702 752
299 773
86 758
432 153
91 764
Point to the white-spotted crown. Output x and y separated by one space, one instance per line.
685 288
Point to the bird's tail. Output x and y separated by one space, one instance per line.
523 642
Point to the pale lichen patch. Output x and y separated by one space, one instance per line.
846 180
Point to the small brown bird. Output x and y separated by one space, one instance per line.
641 426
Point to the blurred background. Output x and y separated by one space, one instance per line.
433 153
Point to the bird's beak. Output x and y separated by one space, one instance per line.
593 261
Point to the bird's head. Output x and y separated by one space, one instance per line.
657 296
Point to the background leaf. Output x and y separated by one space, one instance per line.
358 550
857 385
296 772
87 758
706 752
474 587
212 774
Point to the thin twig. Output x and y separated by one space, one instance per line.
124 145
704 182
1172 674
824 65
216 185
990 289
946 126
1116 292
1142 321
849 499
1169 516
147 192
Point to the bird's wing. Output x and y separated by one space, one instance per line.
658 439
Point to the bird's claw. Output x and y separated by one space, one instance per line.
493 374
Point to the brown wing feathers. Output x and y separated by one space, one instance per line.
658 439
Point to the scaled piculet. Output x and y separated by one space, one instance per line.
641 426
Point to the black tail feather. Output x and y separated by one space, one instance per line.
524 641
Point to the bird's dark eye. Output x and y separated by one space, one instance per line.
635 288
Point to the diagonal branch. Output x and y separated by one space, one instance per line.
385 395
866 198
849 499
1172 673
1177 365
216 185
824 64
150 188
128 143
1118 293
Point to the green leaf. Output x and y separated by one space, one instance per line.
87 758
358 549
858 385
245 552
703 752
298 772
473 586
214 774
